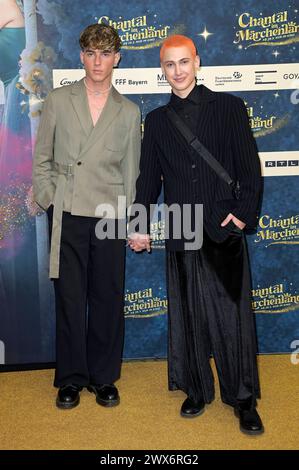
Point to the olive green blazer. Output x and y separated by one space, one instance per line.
78 166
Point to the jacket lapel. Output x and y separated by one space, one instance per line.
206 101
80 105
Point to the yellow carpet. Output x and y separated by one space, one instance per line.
148 416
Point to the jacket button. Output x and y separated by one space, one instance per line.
194 180
79 163
193 165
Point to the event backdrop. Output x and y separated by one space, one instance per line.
246 48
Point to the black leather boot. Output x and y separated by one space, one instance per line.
106 394
250 421
68 396
191 409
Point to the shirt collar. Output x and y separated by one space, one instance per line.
197 95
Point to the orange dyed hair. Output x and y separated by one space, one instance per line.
178 40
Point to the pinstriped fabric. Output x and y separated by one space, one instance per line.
224 129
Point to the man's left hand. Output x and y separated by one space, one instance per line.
236 221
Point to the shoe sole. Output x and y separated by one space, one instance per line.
108 403
194 415
248 431
67 406
251 433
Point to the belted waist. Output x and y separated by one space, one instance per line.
63 170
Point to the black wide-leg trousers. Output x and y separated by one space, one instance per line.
209 312
89 305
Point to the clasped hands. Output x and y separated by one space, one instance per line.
139 242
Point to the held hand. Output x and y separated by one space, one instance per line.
236 221
139 242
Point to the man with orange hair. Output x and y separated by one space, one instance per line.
209 288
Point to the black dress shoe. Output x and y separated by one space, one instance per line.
191 409
68 396
106 394
250 422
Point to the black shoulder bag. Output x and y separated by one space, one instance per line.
202 151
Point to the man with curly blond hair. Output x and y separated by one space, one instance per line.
87 154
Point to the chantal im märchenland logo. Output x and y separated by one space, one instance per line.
144 303
260 123
275 299
278 29
140 32
280 231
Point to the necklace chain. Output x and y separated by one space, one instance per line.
97 92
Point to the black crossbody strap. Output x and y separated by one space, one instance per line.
193 141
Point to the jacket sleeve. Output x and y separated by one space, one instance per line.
130 164
149 182
247 165
43 172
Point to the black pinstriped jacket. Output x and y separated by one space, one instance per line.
223 128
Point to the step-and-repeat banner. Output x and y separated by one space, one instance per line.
248 50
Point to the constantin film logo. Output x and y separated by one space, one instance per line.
280 231
274 299
139 33
279 29
144 304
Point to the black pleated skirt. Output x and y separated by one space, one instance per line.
209 312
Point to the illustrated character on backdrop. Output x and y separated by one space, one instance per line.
18 275
209 291
12 43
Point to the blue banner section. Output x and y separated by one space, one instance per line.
226 34
274 262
